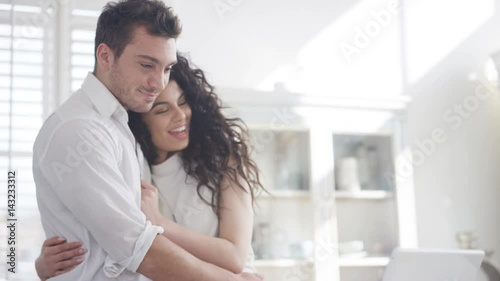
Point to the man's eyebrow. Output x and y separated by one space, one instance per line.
154 60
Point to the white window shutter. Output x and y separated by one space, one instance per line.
83 24
26 82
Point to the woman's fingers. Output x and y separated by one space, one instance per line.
67 265
62 271
69 254
59 256
55 250
146 185
53 241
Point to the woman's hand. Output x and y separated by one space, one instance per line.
58 257
149 202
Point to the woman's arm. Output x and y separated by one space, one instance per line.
58 257
230 249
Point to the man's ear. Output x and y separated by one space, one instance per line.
105 57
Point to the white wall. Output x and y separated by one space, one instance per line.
295 42
457 186
430 56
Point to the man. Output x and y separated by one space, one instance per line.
86 165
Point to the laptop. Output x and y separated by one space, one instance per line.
433 265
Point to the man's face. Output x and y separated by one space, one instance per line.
142 71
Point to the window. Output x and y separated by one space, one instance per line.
34 64
83 24
26 71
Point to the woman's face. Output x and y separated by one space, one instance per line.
168 121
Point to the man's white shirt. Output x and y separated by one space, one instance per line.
86 168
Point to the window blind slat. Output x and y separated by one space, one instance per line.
21 95
83 24
82 60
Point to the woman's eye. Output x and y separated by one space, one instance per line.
162 111
147 66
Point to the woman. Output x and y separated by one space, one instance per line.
206 180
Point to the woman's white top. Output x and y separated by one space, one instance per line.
180 201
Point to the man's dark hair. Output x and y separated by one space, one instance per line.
118 20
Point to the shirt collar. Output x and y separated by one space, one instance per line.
104 101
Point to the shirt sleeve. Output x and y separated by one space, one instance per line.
81 164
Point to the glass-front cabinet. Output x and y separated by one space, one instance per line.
365 204
283 158
340 196
283 229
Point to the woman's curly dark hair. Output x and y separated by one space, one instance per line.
217 149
